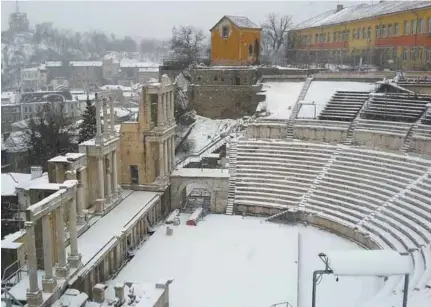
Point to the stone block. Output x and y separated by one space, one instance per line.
75 261
62 271
49 285
34 299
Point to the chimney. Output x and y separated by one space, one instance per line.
339 7
36 172
99 293
98 138
119 291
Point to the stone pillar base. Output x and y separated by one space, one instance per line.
75 261
62 271
34 299
80 219
108 199
49 285
100 205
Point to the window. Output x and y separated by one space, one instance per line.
389 30
225 31
377 31
420 54
421 26
328 38
369 33
396 29
383 32
358 33
429 25
405 54
354 34
134 174
414 26
406 28
428 55
250 50
364 35
237 81
316 38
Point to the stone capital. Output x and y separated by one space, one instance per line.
28 224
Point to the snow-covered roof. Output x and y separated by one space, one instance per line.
361 11
368 263
242 22
30 69
10 181
126 63
116 87
53 63
69 157
39 183
149 69
86 63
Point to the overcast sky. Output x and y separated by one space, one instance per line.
154 18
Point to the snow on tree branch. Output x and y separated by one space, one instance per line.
275 30
187 43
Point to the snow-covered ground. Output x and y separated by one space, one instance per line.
280 98
320 93
206 130
232 261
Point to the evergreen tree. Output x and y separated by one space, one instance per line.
87 129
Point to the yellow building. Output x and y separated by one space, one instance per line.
394 34
235 40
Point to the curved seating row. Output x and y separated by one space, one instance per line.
383 195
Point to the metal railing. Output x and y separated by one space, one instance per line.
282 304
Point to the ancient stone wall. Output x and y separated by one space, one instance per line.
224 101
224 76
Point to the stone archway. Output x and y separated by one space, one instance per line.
217 186
179 193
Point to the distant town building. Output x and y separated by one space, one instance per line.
235 40
388 33
33 78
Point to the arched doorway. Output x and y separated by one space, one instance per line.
194 194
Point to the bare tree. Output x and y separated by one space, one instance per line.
187 43
275 30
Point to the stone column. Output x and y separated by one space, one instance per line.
112 117
160 122
161 159
74 258
168 167
165 107
34 295
80 197
165 156
172 102
98 139
100 202
49 282
108 178
62 269
106 132
114 175
173 153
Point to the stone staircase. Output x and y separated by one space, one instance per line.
407 139
307 195
295 109
349 138
232 176
318 179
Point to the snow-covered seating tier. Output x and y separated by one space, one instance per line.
276 174
344 106
426 120
393 128
395 107
385 196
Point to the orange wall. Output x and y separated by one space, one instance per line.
234 49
